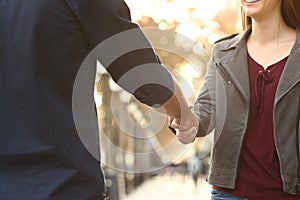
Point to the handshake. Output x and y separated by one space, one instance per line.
185 128
182 120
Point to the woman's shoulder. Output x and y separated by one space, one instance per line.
226 38
230 42
224 44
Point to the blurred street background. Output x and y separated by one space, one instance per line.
175 188
141 158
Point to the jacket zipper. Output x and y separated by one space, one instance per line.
222 71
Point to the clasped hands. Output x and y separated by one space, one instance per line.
186 127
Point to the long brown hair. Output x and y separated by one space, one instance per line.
290 11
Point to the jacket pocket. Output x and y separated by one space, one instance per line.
223 73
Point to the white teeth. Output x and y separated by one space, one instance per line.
251 1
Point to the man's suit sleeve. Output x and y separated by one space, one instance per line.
124 50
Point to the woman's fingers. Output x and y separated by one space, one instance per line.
187 136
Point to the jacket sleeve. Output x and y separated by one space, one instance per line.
205 105
122 48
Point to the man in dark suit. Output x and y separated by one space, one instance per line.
42 46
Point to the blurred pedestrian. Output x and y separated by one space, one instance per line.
195 168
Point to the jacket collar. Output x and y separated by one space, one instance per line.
291 72
237 41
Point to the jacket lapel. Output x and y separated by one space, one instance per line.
235 62
291 72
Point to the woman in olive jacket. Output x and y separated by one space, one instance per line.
251 99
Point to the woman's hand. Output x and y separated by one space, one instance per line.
186 127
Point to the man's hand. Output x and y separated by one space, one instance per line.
186 127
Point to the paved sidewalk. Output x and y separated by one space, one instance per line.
171 188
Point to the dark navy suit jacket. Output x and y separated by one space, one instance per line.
42 46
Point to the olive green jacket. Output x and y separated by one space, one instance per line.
224 105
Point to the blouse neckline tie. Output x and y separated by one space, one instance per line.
264 77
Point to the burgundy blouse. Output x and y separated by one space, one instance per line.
259 170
